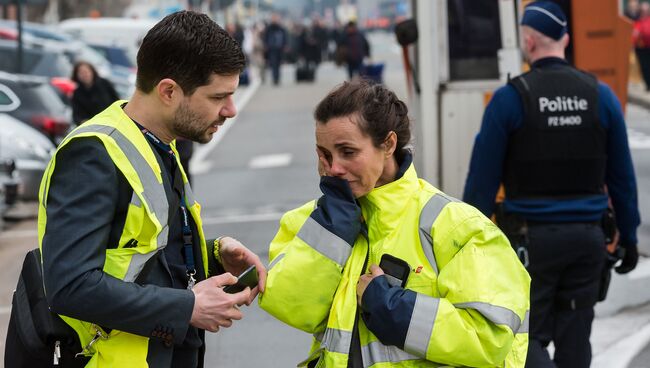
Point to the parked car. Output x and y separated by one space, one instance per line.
36 60
34 101
36 30
73 50
42 35
50 63
123 32
29 150
115 55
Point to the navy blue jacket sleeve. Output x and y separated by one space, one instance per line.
387 311
81 206
503 115
337 209
620 178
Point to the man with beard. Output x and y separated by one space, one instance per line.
125 261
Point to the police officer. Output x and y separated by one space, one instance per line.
555 137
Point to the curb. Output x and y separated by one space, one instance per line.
621 354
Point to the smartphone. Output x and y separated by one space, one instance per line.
396 270
248 278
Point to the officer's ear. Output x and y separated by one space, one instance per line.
529 43
168 91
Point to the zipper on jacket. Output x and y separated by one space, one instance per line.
355 360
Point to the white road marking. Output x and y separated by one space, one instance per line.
199 164
621 354
233 219
637 139
268 161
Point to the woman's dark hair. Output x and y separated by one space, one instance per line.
76 67
187 47
378 109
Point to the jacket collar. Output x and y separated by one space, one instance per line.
549 61
385 204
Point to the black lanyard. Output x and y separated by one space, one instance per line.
185 221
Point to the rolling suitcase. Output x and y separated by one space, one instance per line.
305 72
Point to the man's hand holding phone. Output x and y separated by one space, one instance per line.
247 279
213 307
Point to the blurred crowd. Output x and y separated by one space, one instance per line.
268 44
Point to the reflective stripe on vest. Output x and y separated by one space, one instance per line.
496 314
376 352
338 341
421 325
135 200
189 195
324 242
335 340
428 216
523 329
275 261
153 192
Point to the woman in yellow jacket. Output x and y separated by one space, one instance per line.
455 293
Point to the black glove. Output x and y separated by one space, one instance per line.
337 209
630 259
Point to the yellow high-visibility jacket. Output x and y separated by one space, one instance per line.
469 292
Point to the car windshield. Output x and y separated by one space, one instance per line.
53 65
90 55
41 62
9 59
115 55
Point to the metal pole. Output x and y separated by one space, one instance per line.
19 23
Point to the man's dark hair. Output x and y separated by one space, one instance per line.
187 47
378 112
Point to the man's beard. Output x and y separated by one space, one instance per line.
188 125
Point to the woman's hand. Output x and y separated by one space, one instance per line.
236 258
365 280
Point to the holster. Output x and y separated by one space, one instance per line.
613 253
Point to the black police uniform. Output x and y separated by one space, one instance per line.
559 153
